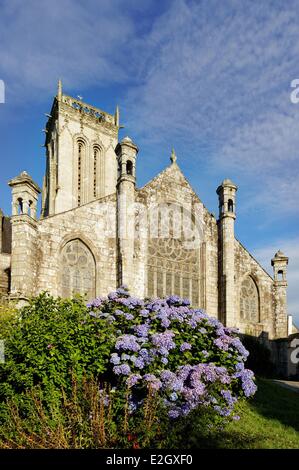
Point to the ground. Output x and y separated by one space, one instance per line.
269 421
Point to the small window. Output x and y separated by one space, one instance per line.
129 167
280 275
95 163
81 149
20 206
230 205
30 208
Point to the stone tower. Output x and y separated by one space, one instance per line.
24 234
126 152
81 163
226 239
279 263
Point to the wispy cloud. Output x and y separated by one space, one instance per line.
82 42
216 76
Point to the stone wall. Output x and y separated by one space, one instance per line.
95 225
5 260
5 250
247 267
24 259
6 235
285 355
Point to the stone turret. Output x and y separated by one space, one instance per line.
226 236
126 152
25 194
279 263
24 235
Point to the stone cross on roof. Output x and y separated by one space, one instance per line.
173 156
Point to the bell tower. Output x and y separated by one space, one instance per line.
81 164
226 239
126 152
279 263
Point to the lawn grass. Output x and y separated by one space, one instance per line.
268 421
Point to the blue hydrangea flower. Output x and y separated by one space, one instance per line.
173 414
185 347
115 359
133 379
123 369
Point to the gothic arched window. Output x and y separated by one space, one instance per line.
230 205
95 167
249 300
78 270
98 171
81 150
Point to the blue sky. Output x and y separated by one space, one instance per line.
211 78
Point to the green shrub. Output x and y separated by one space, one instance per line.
158 358
8 312
48 339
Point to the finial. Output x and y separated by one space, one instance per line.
59 90
116 116
173 156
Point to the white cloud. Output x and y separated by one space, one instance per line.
80 42
216 75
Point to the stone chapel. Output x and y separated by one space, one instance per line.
97 230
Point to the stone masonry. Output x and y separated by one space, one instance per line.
97 230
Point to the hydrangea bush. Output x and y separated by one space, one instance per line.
177 352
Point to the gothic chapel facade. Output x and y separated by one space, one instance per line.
96 231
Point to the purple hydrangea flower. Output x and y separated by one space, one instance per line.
133 379
127 342
115 359
125 357
129 316
139 363
173 299
112 296
144 313
163 341
173 414
93 314
152 381
118 312
123 369
142 330
228 397
185 347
